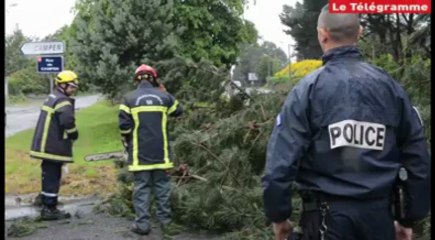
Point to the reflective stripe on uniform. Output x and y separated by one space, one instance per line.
150 166
48 109
61 105
148 109
165 141
135 165
57 107
50 156
135 139
418 115
125 131
173 107
46 127
49 194
124 108
71 130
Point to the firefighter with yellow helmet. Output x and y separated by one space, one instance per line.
53 140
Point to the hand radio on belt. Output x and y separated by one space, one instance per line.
399 195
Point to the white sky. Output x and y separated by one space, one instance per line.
265 15
39 18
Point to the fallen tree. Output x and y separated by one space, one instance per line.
224 144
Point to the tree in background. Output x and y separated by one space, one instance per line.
213 30
266 67
401 35
398 34
66 34
274 51
400 44
113 37
15 60
248 59
263 60
27 81
302 23
21 70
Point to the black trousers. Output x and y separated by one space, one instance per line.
350 220
51 175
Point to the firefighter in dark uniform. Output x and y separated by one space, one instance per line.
341 137
53 141
142 122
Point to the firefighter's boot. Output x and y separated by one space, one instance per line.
52 213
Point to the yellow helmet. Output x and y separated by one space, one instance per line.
67 77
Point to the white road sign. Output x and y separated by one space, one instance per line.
43 48
252 77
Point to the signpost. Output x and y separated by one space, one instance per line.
43 48
6 89
47 62
50 64
252 76
289 63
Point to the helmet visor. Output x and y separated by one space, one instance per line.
74 83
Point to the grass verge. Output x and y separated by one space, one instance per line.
98 132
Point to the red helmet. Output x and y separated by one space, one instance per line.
143 69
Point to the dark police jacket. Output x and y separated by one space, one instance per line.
142 121
345 130
55 130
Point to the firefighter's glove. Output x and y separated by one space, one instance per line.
73 135
183 169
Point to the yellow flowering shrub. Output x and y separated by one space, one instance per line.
299 69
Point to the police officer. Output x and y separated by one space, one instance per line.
342 135
53 139
142 121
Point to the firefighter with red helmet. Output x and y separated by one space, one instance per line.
142 122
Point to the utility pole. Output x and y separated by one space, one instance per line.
289 62
6 89
50 78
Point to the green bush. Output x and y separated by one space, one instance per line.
28 81
14 99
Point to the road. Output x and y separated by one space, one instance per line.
23 118
85 223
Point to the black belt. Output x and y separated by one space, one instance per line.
313 200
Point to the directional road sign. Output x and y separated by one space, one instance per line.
50 64
252 77
43 48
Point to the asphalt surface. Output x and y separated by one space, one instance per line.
20 118
84 224
98 226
